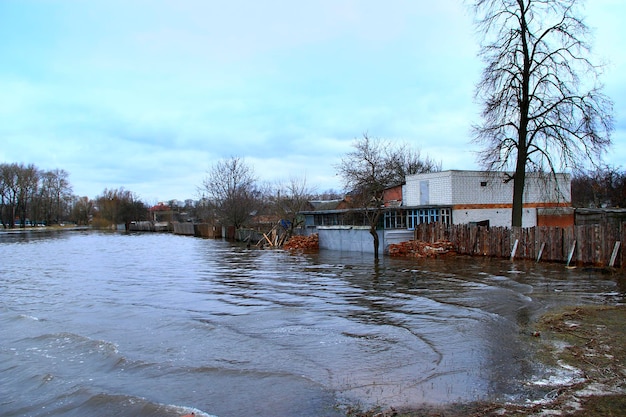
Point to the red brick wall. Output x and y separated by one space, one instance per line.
555 220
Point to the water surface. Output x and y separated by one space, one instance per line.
107 324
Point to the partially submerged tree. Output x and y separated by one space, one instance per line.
230 190
538 113
372 167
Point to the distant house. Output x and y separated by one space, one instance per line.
325 213
161 213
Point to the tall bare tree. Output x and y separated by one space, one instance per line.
27 181
373 166
55 195
543 109
230 188
9 193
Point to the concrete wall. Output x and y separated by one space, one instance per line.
359 239
346 238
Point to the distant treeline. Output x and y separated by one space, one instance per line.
602 187
30 196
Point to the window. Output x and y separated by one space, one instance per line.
423 215
446 216
412 219
416 217
395 219
433 215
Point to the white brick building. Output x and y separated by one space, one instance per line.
460 197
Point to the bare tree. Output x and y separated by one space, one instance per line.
9 192
538 113
116 206
603 187
27 180
82 210
27 192
231 189
289 200
327 195
373 166
55 194
405 161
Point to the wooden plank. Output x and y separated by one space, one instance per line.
514 249
614 254
571 253
543 245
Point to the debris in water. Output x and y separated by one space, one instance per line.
303 243
420 249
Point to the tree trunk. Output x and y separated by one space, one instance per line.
518 194
374 234
522 139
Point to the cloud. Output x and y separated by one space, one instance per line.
150 94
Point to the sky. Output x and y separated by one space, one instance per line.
149 95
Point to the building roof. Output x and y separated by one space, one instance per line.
321 205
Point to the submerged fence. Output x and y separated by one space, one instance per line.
598 244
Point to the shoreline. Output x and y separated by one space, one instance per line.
588 341
36 229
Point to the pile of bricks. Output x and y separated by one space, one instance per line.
303 243
419 249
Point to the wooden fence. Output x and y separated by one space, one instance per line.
599 244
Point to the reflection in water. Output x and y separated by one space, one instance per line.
152 324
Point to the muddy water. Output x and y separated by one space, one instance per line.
157 325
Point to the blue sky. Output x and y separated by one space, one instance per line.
149 94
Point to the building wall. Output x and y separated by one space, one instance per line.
477 196
439 189
393 196
497 217
478 187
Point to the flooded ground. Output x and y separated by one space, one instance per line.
104 324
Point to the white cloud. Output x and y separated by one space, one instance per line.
149 94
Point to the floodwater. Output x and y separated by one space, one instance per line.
107 324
